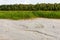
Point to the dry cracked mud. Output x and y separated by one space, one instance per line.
33 29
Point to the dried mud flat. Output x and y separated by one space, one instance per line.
35 29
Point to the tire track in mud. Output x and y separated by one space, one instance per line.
27 29
42 33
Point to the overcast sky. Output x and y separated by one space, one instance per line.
28 1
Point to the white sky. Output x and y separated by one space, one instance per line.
28 1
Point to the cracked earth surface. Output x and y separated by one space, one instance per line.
34 29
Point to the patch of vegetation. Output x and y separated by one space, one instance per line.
31 7
28 14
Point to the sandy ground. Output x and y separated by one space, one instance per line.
35 29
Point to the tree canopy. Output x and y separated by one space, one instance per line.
31 7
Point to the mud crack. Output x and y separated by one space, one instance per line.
42 33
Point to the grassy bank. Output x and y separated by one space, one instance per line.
28 14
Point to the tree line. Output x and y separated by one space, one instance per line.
31 7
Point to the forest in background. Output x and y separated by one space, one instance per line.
30 7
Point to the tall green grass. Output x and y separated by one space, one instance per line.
28 14
48 14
